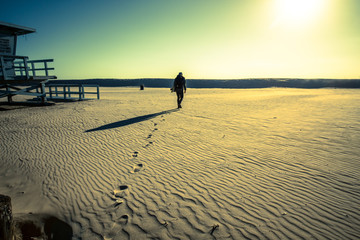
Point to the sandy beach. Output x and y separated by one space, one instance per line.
271 163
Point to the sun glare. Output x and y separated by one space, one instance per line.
297 12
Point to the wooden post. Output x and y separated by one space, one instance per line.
50 92
33 69
22 67
80 92
6 220
3 67
46 69
26 68
43 93
8 89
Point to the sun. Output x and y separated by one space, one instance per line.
296 13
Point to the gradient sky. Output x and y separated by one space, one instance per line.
222 39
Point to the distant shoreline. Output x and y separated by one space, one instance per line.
214 83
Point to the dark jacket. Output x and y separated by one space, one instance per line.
179 83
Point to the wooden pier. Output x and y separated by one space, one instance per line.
72 91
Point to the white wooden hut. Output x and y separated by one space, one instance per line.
18 74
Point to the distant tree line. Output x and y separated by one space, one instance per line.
214 83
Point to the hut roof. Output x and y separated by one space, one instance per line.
12 29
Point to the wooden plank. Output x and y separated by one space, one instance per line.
22 81
42 69
42 77
23 92
3 68
13 56
41 60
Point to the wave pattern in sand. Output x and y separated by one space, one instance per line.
232 164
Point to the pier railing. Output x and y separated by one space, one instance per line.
21 68
72 91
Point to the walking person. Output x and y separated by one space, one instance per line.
179 87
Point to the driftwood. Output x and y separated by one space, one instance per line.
6 219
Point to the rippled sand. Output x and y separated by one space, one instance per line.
232 164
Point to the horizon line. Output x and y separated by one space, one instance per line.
221 79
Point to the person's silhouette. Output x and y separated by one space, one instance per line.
180 88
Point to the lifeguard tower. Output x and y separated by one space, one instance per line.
18 74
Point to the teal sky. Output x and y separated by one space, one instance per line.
203 38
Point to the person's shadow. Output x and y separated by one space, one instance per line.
129 121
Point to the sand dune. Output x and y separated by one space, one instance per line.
232 164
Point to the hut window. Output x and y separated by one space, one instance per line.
5 46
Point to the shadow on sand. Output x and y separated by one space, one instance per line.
130 121
5 106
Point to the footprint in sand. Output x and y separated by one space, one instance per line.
117 195
135 154
116 227
137 168
120 192
148 144
150 135
123 220
118 202
155 129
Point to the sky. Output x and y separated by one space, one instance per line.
204 39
